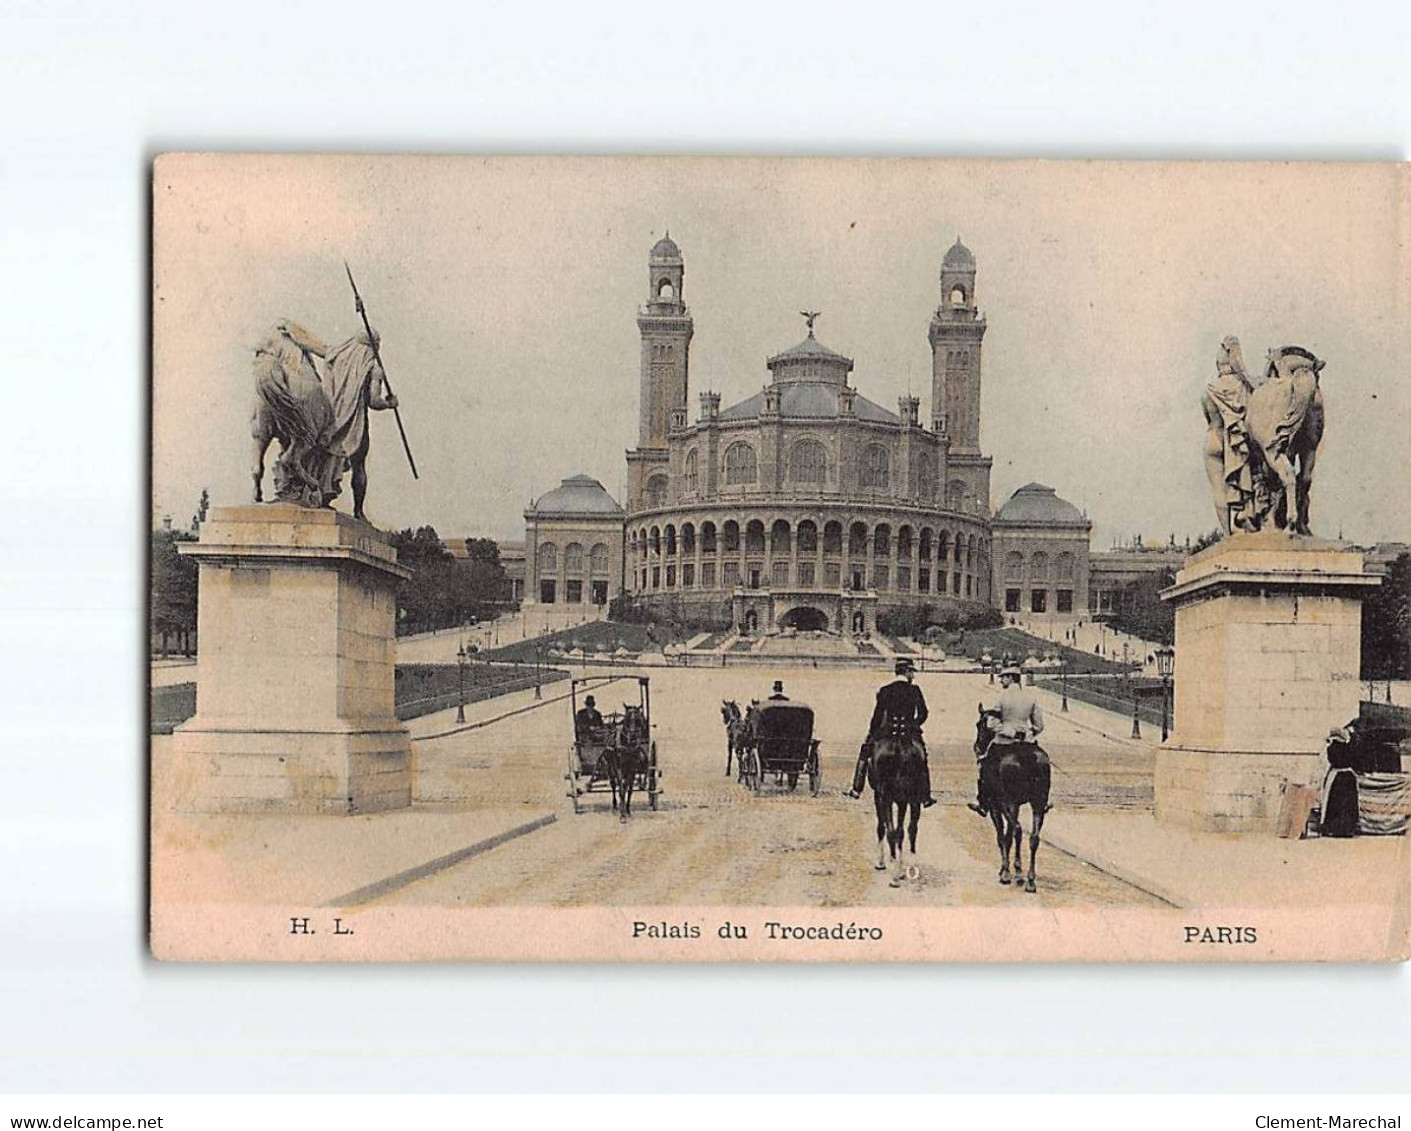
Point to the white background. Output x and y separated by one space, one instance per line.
89 92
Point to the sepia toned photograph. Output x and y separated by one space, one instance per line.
785 560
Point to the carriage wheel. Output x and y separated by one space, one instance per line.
793 782
756 772
815 773
572 777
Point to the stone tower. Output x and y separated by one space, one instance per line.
957 329
666 330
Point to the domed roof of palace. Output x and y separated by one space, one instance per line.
1037 505
959 257
578 494
810 360
665 249
809 400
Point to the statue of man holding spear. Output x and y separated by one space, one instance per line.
357 383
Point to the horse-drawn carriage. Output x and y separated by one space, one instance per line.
782 744
618 757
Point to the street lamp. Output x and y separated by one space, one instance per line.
1064 673
461 657
538 662
1165 665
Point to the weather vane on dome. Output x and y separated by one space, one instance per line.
809 316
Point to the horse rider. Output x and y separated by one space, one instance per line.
901 711
778 696
1017 721
588 722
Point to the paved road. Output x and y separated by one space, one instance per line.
713 842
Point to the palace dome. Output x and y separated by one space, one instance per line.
1037 505
959 258
809 400
666 249
576 495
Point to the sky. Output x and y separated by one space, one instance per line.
506 293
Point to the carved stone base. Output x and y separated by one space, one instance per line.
1268 645
295 685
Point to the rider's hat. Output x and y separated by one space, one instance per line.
904 666
778 687
1011 668
590 702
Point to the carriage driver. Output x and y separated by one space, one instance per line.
588 723
900 708
1018 721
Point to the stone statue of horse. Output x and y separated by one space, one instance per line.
897 772
1286 424
292 406
1011 777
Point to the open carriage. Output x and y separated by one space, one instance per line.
628 730
783 745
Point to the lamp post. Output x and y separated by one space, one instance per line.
1064 674
461 657
1165 665
538 667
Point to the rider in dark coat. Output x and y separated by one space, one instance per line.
901 709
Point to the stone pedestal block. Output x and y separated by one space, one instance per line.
1268 642
297 665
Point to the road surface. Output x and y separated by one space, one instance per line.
713 842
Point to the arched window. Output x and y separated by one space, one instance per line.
754 537
688 539
943 547
665 290
857 539
708 538
573 559
779 537
656 490
808 462
882 541
599 559
1014 566
692 479
955 495
808 537
1038 566
740 464
656 540
833 538
670 540
925 476
924 549
875 473
1065 566
957 296
731 533
904 542
548 557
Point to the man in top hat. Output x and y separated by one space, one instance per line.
588 723
1017 720
778 695
901 708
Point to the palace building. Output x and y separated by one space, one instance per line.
806 505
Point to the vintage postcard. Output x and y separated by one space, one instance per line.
673 559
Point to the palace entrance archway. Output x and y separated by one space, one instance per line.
805 618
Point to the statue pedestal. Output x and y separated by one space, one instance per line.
296 667
1268 644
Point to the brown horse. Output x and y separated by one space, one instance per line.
626 759
1011 777
739 735
897 772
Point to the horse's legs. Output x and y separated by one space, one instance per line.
262 434
896 819
881 833
1283 468
997 818
1037 808
359 462
1305 486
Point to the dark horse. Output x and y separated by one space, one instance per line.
1010 778
626 759
739 735
897 774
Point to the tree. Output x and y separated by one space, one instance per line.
1209 538
173 594
1386 625
1142 612
443 591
